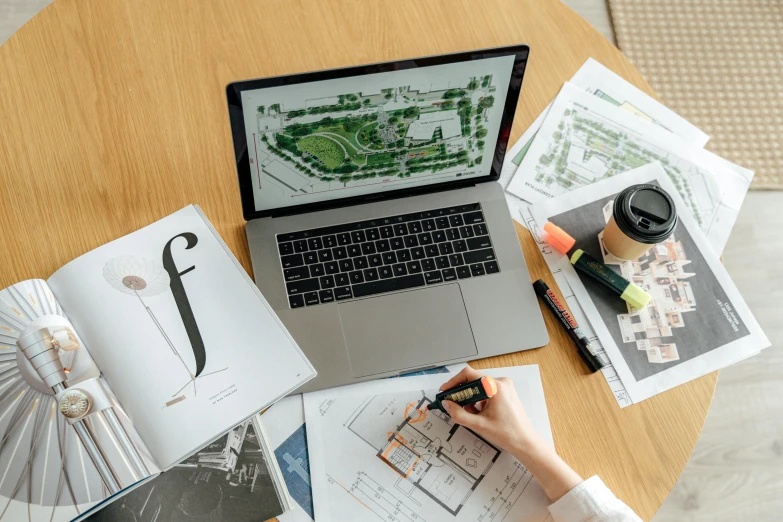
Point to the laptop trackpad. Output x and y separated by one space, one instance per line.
406 330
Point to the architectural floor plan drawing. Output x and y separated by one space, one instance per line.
432 455
386 456
284 424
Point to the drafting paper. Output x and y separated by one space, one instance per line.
696 321
284 424
607 85
511 164
377 456
584 140
603 83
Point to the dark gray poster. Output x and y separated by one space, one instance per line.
689 313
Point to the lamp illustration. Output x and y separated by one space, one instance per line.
142 278
43 461
40 347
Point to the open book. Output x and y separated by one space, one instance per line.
127 360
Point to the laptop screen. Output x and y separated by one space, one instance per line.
330 139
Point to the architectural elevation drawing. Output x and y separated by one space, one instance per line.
372 136
386 456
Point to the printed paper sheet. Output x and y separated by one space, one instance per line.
601 82
584 140
284 424
384 456
696 321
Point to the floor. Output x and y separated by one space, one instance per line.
736 470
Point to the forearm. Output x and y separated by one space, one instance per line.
555 476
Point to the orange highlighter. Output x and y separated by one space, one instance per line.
468 393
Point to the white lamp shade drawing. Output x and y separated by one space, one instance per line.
136 276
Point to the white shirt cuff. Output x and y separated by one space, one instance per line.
586 500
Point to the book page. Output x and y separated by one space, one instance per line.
46 471
185 339
228 479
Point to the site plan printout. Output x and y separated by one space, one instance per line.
595 78
384 456
583 140
352 136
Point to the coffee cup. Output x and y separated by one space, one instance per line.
642 216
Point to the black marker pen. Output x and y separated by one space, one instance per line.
568 323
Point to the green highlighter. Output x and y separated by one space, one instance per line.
628 291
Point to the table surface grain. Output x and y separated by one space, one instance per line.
114 116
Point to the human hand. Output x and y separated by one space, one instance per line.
501 420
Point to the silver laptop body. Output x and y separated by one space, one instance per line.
416 278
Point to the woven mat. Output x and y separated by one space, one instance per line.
718 63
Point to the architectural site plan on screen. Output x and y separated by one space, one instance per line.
346 137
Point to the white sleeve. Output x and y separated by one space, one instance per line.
591 501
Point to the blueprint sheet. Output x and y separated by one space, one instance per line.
605 85
383 456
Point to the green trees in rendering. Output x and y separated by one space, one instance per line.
486 102
411 112
453 93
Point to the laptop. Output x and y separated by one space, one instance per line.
376 226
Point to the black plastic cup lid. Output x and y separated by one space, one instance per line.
645 213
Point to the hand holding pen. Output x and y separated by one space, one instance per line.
502 421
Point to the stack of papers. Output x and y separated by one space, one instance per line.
600 126
594 134
284 425
696 321
380 454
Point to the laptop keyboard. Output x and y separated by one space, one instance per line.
372 257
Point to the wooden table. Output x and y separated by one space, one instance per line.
113 115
